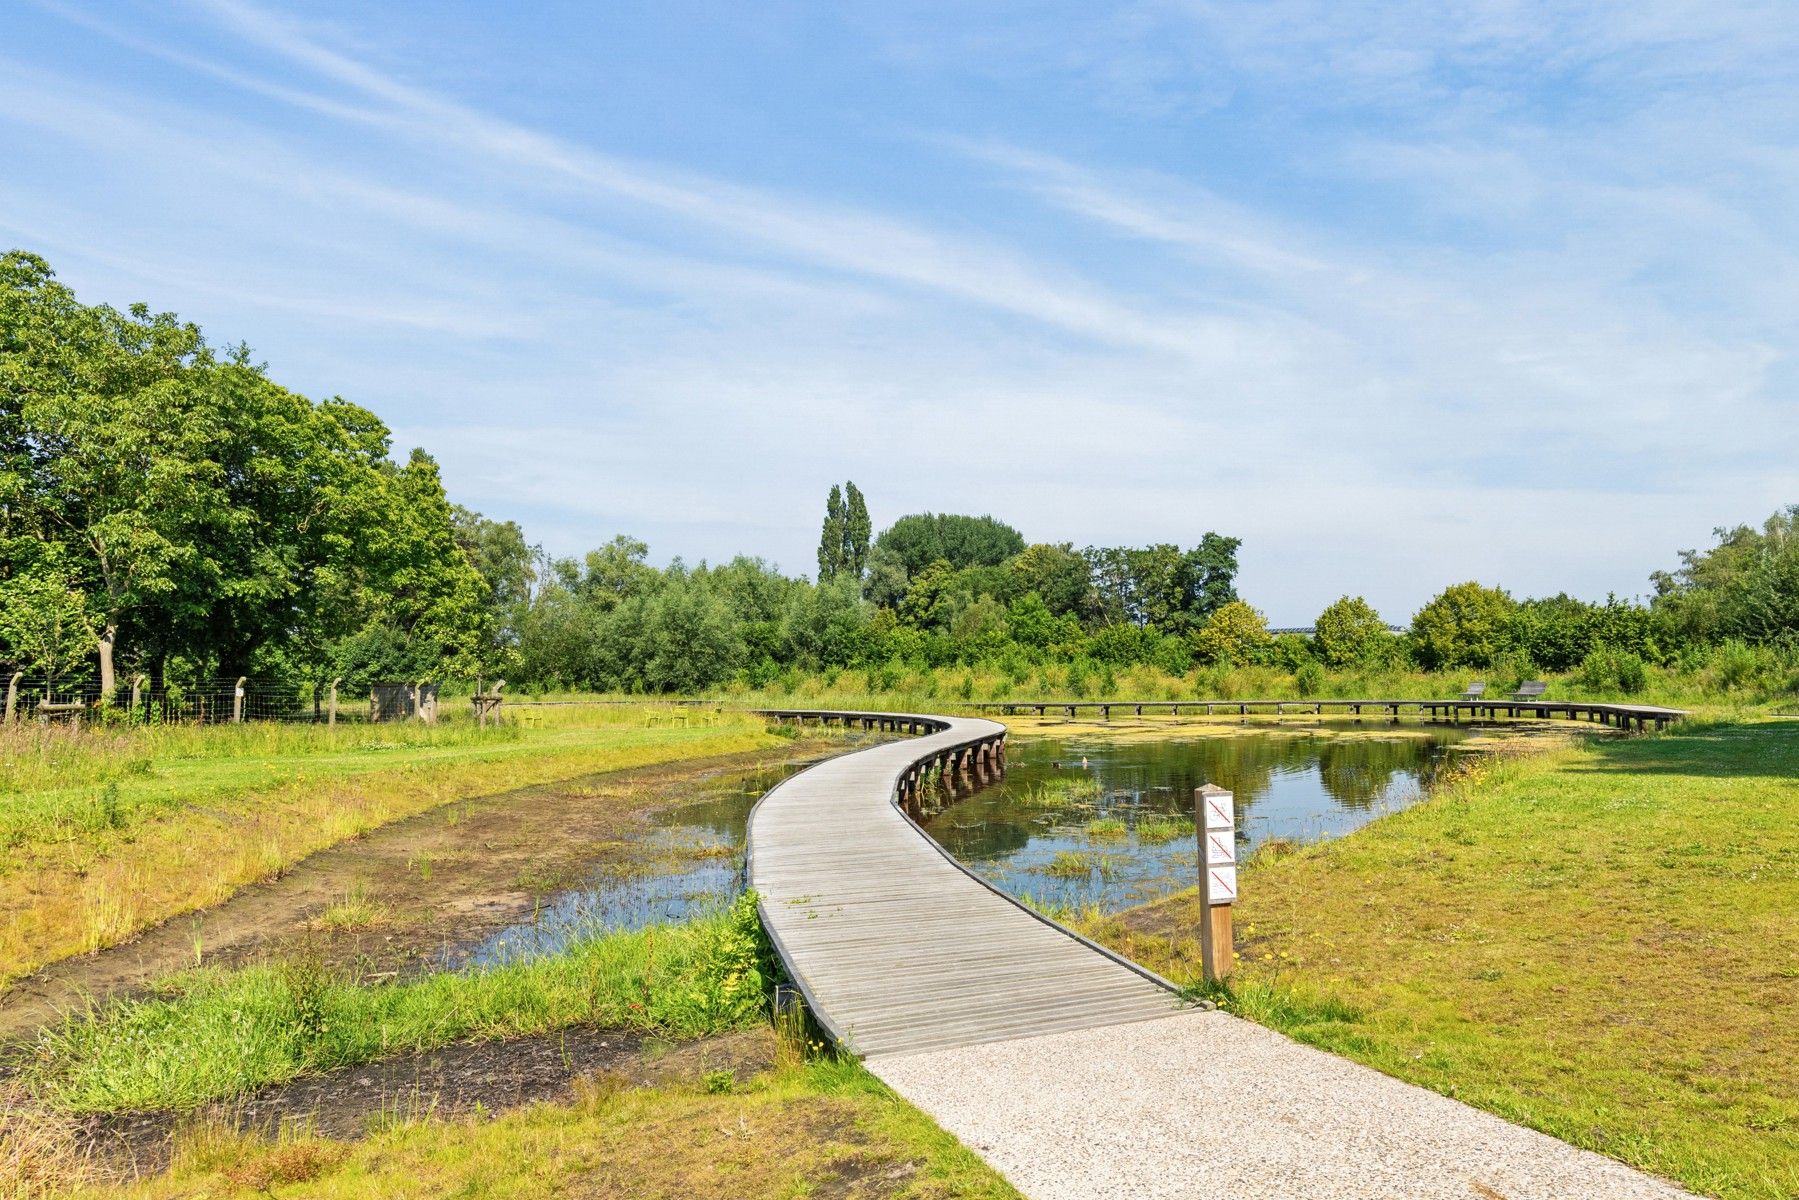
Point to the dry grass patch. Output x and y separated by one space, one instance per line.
822 1129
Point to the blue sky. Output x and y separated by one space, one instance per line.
1401 295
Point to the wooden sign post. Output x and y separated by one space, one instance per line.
1215 822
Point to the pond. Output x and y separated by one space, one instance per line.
1091 822
1079 822
689 860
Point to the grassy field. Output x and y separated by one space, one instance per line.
105 832
1601 942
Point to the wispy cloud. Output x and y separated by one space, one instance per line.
1401 295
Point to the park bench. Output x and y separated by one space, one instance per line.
1531 691
1475 691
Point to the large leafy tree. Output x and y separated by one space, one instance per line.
921 539
1465 625
507 564
209 516
1161 585
1349 633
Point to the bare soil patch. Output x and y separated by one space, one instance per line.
465 1080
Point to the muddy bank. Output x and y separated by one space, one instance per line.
422 892
462 1080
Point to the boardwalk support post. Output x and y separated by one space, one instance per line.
1215 820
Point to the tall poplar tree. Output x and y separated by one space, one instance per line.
831 539
856 532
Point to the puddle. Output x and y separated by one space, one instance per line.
1085 822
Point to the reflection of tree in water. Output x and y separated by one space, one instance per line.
1158 778
1357 773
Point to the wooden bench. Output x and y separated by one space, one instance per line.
1531 691
1475 691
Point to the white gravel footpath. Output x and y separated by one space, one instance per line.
1206 1105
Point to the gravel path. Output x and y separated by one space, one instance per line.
1207 1105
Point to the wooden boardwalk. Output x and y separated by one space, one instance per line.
1624 716
895 947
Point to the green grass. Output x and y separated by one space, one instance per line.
1601 942
212 1034
1063 792
1164 829
1106 829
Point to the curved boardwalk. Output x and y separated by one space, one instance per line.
1073 1074
894 946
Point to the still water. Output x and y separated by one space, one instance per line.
1079 822
1092 822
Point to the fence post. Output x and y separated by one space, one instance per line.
237 700
137 694
331 719
12 695
1215 823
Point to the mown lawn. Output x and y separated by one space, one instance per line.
1600 942
104 833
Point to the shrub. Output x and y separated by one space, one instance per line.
1309 679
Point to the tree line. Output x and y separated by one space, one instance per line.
168 509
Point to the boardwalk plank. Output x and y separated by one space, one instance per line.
896 947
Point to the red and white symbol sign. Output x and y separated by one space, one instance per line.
1221 884
1221 848
1220 810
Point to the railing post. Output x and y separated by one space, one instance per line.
1215 820
237 700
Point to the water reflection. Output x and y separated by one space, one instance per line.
690 861
1120 832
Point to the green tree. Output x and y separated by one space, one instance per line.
1466 625
1235 634
831 537
1747 586
928 596
1055 573
856 531
45 621
1161 585
919 540
1350 633
507 564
